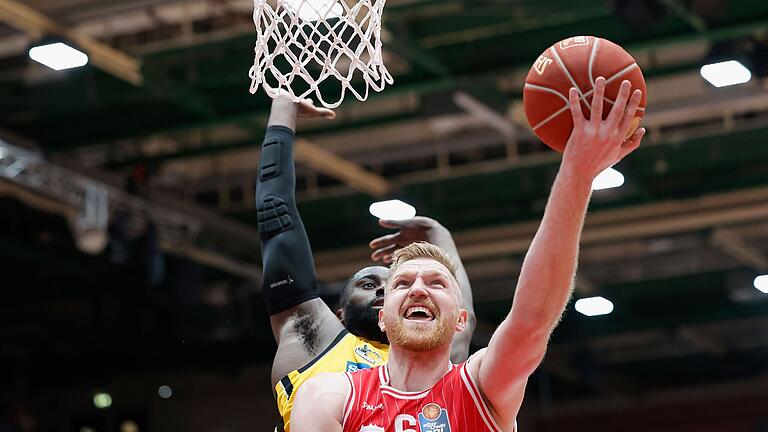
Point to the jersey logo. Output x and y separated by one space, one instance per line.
369 407
434 418
354 367
366 353
371 428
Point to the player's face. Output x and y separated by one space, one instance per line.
421 306
360 310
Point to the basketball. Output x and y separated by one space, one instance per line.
576 62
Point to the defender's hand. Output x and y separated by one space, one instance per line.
285 111
418 228
596 144
307 109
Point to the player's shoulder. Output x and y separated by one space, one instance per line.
325 383
475 360
470 369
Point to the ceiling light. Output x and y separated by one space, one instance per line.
165 391
129 426
315 10
593 306
58 56
761 283
102 400
392 210
609 178
726 73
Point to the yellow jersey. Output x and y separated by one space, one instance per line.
347 353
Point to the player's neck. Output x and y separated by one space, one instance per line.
416 371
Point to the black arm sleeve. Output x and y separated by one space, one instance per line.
289 270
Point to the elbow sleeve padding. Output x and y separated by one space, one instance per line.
289 272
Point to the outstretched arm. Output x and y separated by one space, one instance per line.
319 404
422 228
302 324
546 277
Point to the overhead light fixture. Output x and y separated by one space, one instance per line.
102 400
761 283
58 56
316 10
609 178
165 391
392 210
726 73
594 306
129 426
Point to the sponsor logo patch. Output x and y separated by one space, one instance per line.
354 367
434 418
369 407
366 353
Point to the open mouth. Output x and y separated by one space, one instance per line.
378 303
418 313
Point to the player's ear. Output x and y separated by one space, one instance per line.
381 320
461 321
340 314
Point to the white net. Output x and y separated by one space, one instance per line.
304 45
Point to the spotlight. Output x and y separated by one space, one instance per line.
58 56
609 178
129 426
593 306
392 210
102 400
314 10
726 73
165 391
761 283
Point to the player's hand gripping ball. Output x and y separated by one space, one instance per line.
576 62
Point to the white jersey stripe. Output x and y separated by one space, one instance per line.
485 413
350 399
399 395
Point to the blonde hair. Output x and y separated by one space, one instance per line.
423 249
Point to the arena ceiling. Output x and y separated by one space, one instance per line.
675 248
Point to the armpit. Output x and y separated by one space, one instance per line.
307 329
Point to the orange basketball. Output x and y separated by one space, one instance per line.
576 62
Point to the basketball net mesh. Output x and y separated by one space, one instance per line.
303 43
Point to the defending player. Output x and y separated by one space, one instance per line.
311 338
419 389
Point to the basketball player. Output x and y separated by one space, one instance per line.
419 389
311 337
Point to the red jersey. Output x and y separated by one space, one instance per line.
453 404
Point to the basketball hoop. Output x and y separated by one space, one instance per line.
304 45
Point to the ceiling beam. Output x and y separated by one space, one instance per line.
584 286
350 173
735 246
706 342
607 226
486 114
104 57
